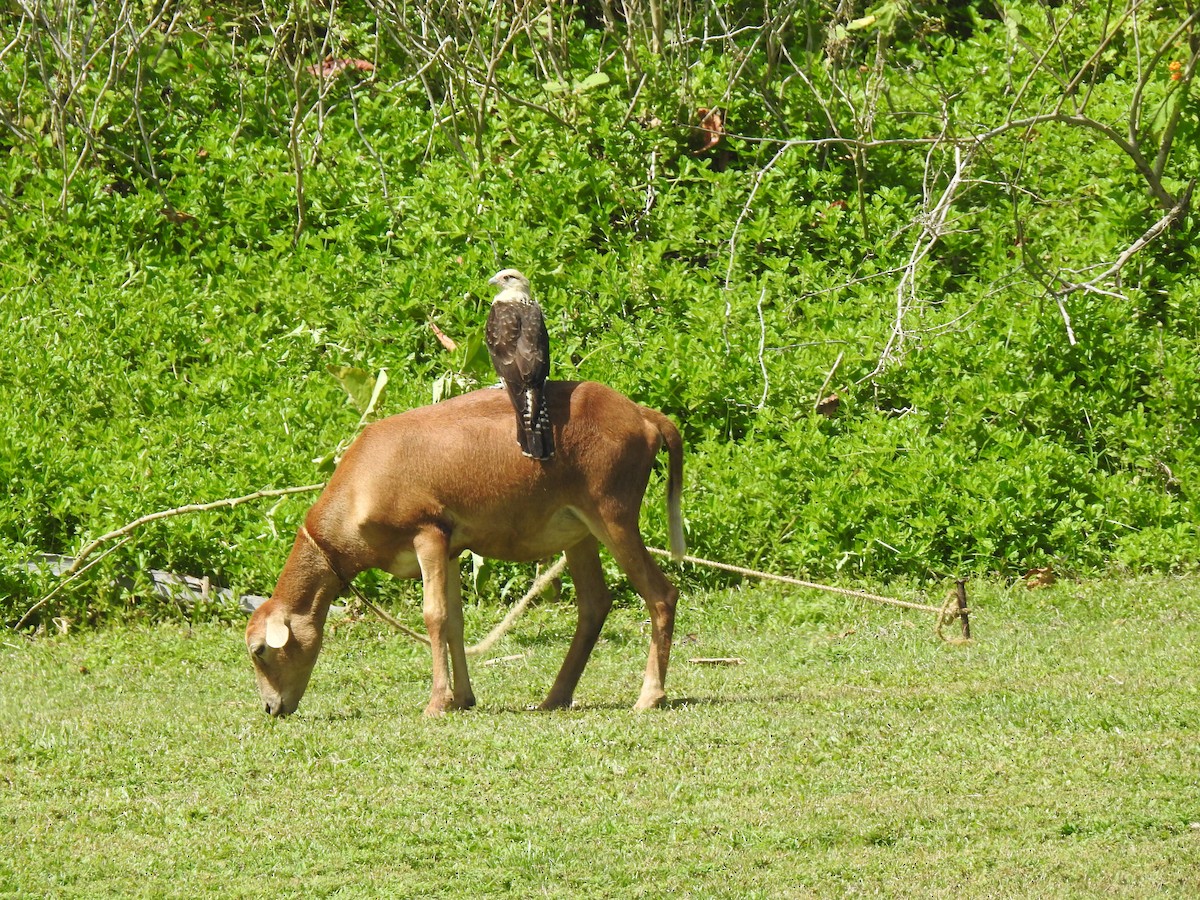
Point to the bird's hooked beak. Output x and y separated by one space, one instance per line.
510 278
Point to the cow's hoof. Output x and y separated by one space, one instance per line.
650 701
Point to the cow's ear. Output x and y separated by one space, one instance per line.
277 632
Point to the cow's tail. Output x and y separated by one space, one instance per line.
674 444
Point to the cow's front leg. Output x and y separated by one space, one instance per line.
443 621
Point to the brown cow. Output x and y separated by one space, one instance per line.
417 489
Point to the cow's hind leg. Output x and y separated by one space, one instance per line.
593 601
661 596
442 590
464 697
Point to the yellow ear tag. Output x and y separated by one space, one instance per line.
277 633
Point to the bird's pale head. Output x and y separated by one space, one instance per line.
510 280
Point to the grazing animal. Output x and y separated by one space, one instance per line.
417 489
519 347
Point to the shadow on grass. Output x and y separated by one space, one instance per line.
611 706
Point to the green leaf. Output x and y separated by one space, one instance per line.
481 571
595 80
381 381
475 360
363 389
357 383
326 463
1014 25
451 384
887 14
1164 113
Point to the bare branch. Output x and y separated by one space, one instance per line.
1151 234
762 343
181 510
933 227
754 186
67 579
1152 68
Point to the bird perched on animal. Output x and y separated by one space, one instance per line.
520 350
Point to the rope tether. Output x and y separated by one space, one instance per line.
945 612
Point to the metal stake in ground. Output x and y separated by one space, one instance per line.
961 587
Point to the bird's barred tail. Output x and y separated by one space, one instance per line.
538 437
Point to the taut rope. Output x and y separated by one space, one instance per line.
946 613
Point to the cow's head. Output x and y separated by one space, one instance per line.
283 647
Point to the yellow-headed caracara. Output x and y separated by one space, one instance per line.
520 350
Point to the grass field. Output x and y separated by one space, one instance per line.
853 754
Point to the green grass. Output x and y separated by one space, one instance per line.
853 754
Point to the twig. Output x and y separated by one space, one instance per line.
501 660
787 579
733 237
70 576
181 510
539 584
493 637
755 185
828 378
933 228
762 343
1150 235
1066 317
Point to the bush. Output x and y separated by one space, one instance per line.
199 230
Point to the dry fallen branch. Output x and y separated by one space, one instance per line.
65 580
493 637
75 568
543 580
502 660
787 579
228 503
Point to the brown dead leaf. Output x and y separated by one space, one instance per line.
710 130
1040 578
829 406
331 67
443 339
176 216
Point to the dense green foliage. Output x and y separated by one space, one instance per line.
852 755
195 222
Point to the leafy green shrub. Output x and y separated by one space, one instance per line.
176 285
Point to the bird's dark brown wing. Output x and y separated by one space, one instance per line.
534 345
503 329
518 343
